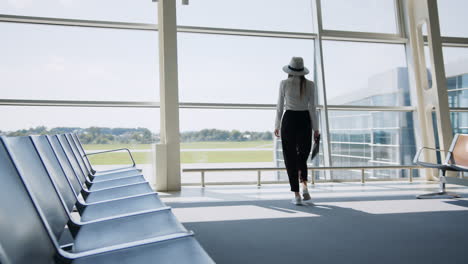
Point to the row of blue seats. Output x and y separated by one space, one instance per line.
55 208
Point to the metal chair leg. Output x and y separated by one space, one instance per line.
442 193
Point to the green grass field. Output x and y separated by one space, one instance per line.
116 146
226 156
213 145
187 156
191 145
121 158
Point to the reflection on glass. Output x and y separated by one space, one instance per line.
459 122
427 58
456 71
360 15
98 128
371 138
452 17
78 63
366 74
233 69
270 15
135 11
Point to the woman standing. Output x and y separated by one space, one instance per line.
297 96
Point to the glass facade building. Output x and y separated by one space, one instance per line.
457 85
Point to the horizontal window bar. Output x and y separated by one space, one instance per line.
273 106
350 156
362 37
245 32
454 42
20 102
381 161
77 22
326 34
372 108
457 90
16 102
227 106
458 109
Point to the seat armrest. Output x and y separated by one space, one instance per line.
427 164
113 150
458 167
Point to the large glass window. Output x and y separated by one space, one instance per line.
456 71
459 122
234 69
371 138
360 15
452 17
366 74
270 15
77 63
136 11
227 138
99 129
231 138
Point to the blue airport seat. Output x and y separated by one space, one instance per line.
136 184
77 178
74 137
30 226
456 160
72 154
91 173
92 234
89 211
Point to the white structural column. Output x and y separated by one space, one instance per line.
168 176
320 85
420 13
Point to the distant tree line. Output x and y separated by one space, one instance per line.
224 135
94 135
104 135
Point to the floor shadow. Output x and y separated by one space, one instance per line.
287 203
462 203
337 235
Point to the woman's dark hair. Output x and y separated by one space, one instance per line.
303 84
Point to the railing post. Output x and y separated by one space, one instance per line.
363 177
259 178
313 176
203 178
410 175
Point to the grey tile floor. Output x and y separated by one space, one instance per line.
374 197
376 222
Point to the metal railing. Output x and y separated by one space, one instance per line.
259 170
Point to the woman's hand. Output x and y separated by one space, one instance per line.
277 133
316 135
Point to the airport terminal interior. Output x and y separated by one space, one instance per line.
143 131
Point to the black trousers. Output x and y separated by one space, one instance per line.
296 140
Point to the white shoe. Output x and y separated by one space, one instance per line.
297 200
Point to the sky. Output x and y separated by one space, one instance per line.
71 63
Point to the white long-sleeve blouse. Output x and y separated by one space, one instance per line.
289 99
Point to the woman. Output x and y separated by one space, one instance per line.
297 96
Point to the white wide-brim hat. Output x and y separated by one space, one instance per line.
296 67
